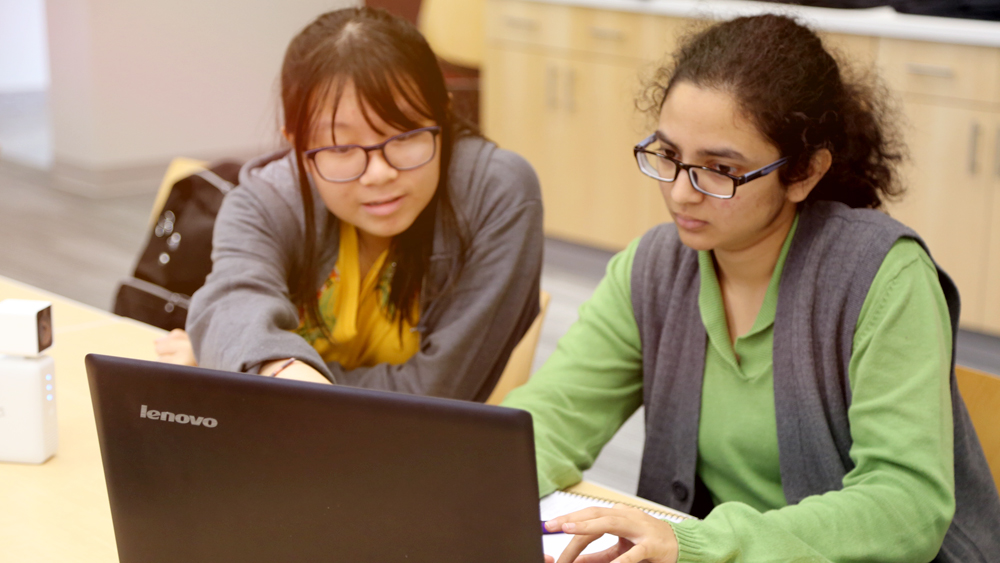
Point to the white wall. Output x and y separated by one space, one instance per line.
23 51
137 82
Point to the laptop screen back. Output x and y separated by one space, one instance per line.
212 466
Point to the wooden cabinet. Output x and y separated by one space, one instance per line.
611 127
950 181
559 88
947 72
860 51
951 106
991 320
560 84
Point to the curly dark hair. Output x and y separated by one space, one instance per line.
800 98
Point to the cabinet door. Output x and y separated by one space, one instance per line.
948 202
513 95
623 203
528 23
991 320
858 51
941 70
566 186
526 95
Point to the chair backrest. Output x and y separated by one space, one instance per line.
180 167
518 368
981 392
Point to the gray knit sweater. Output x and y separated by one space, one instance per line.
833 259
242 316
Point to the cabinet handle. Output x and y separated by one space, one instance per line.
607 33
571 90
551 87
996 155
526 24
973 147
936 71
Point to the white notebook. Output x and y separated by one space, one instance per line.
561 502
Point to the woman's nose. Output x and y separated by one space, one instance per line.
379 171
681 190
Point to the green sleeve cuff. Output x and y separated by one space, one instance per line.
691 546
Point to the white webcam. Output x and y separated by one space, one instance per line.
25 327
28 424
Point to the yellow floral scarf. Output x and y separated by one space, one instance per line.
359 311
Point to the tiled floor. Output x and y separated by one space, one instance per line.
81 247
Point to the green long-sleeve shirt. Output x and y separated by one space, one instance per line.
896 503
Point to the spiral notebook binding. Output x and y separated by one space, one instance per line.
672 516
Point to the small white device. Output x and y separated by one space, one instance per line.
28 424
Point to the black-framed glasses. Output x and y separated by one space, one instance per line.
706 180
406 151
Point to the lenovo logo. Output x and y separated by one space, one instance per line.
178 418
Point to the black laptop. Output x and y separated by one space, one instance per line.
209 466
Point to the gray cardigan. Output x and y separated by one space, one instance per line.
242 316
833 259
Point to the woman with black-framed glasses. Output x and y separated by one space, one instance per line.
391 247
792 344
659 165
406 151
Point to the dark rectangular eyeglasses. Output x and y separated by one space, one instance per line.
706 180
406 151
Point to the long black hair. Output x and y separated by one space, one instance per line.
800 98
386 58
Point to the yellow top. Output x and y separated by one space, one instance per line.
363 332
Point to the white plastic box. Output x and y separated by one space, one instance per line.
29 431
28 425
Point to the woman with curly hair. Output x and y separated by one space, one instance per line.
792 344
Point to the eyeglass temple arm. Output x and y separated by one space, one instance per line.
749 176
645 142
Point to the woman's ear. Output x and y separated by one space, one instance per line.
818 166
288 136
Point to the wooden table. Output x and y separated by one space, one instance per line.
58 511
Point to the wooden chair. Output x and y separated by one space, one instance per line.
518 368
179 167
981 392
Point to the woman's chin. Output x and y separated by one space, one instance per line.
695 241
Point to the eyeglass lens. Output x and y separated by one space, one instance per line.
403 152
704 180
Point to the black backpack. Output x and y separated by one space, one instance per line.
178 254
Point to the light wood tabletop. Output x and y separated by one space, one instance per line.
58 511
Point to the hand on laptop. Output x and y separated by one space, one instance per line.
297 370
641 536
175 348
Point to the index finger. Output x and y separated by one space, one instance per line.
576 547
591 513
